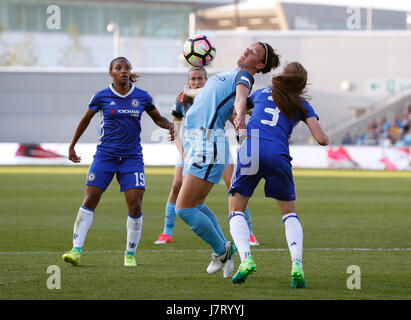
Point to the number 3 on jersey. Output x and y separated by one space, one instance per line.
140 179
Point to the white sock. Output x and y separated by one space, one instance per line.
294 236
81 226
240 233
134 226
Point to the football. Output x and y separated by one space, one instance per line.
199 51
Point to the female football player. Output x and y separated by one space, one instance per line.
197 77
277 110
119 153
208 150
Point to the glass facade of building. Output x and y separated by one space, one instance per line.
92 17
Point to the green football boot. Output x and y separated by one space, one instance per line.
129 260
246 268
73 257
297 275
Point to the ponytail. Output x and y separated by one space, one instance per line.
288 88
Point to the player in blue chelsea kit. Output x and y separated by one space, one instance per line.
119 153
265 154
208 150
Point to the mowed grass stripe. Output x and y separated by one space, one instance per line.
343 173
204 250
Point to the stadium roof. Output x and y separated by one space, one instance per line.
200 4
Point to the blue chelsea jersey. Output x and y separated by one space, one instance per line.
268 123
120 120
214 105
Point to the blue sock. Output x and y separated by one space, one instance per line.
203 227
204 209
247 217
170 218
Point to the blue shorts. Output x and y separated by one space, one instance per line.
129 172
206 160
252 166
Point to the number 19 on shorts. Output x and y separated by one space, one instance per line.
140 179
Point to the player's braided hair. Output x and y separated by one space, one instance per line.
271 58
133 76
288 88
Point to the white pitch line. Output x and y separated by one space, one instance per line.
206 250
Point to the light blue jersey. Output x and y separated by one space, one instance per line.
208 151
214 105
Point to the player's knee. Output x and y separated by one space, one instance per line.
91 201
134 209
183 213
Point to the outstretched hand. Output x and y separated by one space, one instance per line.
171 132
73 156
239 124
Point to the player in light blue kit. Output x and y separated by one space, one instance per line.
119 153
208 151
265 154
197 77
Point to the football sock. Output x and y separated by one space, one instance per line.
204 209
203 227
81 226
247 217
240 233
134 226
294 236
170 218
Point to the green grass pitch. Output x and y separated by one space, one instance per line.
348 219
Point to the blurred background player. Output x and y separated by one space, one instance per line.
197 77
277 110
119 152
208 150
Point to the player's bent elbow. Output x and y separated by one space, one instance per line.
324 141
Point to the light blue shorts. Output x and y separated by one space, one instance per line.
206 160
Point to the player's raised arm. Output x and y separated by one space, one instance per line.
81 127
240 106
316 131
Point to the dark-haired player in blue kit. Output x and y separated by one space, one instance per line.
119 153
265 154
208 150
